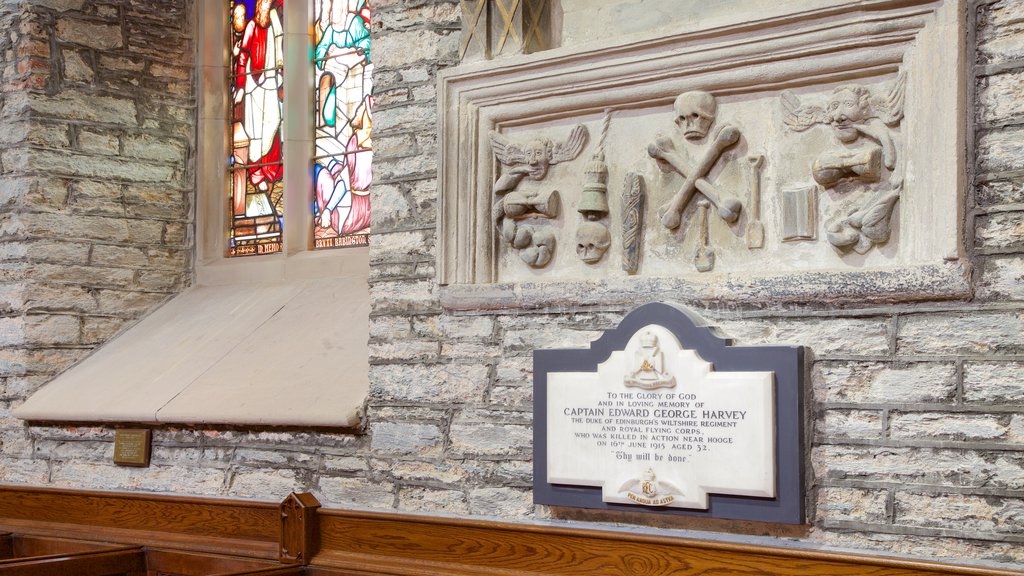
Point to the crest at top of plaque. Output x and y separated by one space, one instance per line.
650 365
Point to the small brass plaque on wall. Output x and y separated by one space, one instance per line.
132 447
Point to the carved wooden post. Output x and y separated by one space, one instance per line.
298 524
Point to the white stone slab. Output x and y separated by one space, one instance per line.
283 353
667 432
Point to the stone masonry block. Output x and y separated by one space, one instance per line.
400 49
433 383
999 192
148 147
940 467
514 371
12 331
472 328
994 382
883 383
418 499
76 68
92 142
409 117
932 547
512 396
401 246
1001 150
358 492
383 327
825 336
966 333
85 107
52 329
852 504
268 483
448 473
490 440
1000 230
404 350
277 458
405 438
93 35
404 297
346 465
442 14
25 471
1002 277
977 515
1001 97
501 502
1001 32
850 424
948 426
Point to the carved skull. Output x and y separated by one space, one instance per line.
592 241
695 113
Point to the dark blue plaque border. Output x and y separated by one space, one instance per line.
787 362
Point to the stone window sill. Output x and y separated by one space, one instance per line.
279 343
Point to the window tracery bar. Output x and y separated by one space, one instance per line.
256 88
343 104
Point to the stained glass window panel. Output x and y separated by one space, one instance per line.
255 199
343 103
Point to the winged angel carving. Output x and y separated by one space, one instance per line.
863 123
530 161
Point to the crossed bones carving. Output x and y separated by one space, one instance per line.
695 112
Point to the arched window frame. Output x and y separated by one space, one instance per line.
298 259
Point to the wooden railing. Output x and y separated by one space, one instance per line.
70 533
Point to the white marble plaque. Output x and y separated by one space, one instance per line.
657 426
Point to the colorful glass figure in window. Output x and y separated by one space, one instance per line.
344 120
257 95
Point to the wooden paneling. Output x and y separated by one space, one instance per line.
23 546
380 543
222 526
128 562
180 563
199 537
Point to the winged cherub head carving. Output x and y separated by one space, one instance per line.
853 112
533 158
848 106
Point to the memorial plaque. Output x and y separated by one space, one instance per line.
662 414
132 447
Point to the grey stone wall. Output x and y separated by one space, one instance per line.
96 136
917 428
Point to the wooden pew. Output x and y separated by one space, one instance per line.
125 561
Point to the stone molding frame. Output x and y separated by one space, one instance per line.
832 42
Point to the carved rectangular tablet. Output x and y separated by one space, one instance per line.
835 122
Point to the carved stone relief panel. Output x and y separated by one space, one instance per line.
817 143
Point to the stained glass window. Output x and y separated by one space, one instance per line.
256 109
344 109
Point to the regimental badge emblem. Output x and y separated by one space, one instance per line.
652 492
649 373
